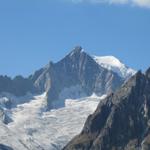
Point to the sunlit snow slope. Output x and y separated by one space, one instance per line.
51 130
115 65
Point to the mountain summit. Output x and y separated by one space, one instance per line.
121 121
77 49
76 75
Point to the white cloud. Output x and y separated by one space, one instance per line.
140 3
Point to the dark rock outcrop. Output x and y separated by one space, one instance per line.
4 147
4 118
121 121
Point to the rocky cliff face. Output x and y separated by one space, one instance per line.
4 147
121 121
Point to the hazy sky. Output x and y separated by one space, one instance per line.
33 32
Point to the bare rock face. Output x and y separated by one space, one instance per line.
121 121
4 147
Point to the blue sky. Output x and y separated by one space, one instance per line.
33 32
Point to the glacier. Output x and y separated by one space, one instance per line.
35 128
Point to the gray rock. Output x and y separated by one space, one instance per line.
4 147
121 121
4 118
74 76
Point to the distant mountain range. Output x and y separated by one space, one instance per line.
76 75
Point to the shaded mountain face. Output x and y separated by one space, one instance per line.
18 86
4 147
121 121
77 75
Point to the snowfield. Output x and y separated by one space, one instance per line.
115 65
35 129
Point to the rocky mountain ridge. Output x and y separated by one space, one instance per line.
121 121
76 75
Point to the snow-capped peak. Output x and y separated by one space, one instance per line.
115 65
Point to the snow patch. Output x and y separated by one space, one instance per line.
115 65
10 138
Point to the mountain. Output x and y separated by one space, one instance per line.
76 75
121 121
77 82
